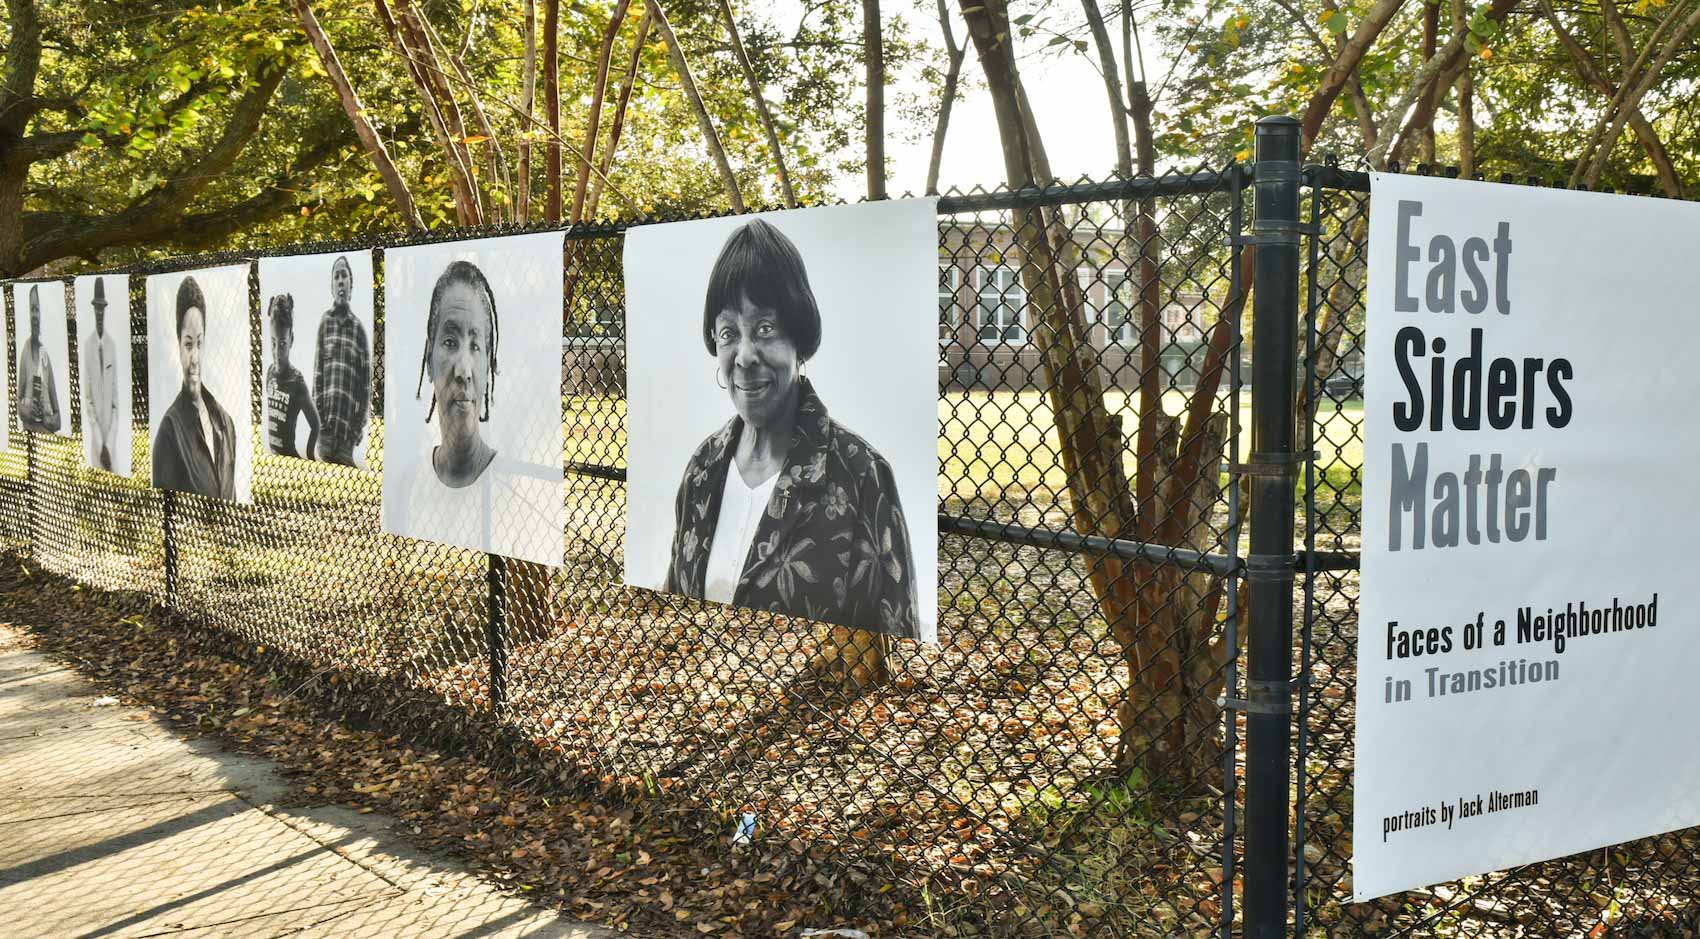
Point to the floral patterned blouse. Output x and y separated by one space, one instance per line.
832 545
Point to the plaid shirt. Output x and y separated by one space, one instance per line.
342 384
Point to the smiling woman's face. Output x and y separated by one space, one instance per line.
460 359
189 345
757 361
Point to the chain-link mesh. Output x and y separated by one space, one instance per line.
1058 764
1649 887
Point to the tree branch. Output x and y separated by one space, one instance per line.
1344 66
160 212
762 112
23 62
1590 72
369 139
710 137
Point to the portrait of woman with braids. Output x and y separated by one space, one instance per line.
465 465
460 360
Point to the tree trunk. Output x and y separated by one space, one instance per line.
418 36
460 177
1466 102
593 127
1638 79
1112 85
619 121
528 99
1656 151
1442 69
1155 712
1345 67
952 77
356 112
710 137
552 109
873 60
1431 97
762 112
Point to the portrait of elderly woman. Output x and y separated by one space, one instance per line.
467 463
194 445
784 508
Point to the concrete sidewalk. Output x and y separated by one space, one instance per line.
111 825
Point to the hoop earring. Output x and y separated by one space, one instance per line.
485 417
803 368
717 380
432 409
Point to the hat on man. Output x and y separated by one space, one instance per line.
99 291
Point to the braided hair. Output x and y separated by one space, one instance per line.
467 274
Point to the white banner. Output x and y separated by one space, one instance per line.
1526 645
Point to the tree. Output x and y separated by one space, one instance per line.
126 125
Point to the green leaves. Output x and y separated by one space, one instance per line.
1336 22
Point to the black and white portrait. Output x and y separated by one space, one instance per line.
783 398
103 348
199 382
316 355
44 372
473 429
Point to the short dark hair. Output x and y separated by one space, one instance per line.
282 312
759 262
189 295
466 274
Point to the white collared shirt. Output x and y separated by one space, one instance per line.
741 509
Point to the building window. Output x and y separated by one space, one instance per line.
1003 306
950 315
1118 306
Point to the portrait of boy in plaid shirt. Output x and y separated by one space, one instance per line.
342 373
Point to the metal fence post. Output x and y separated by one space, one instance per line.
1269 566
498 614
33 530
169 525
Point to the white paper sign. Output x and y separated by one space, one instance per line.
1528 632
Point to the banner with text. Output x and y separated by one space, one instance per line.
1532 412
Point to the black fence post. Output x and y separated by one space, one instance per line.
169 525
498 615
33 530
1269 566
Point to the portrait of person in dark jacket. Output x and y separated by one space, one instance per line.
194 449
784 508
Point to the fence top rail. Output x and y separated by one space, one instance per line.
1233 177
1322 176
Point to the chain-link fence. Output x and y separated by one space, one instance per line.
1069 759
1056 765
